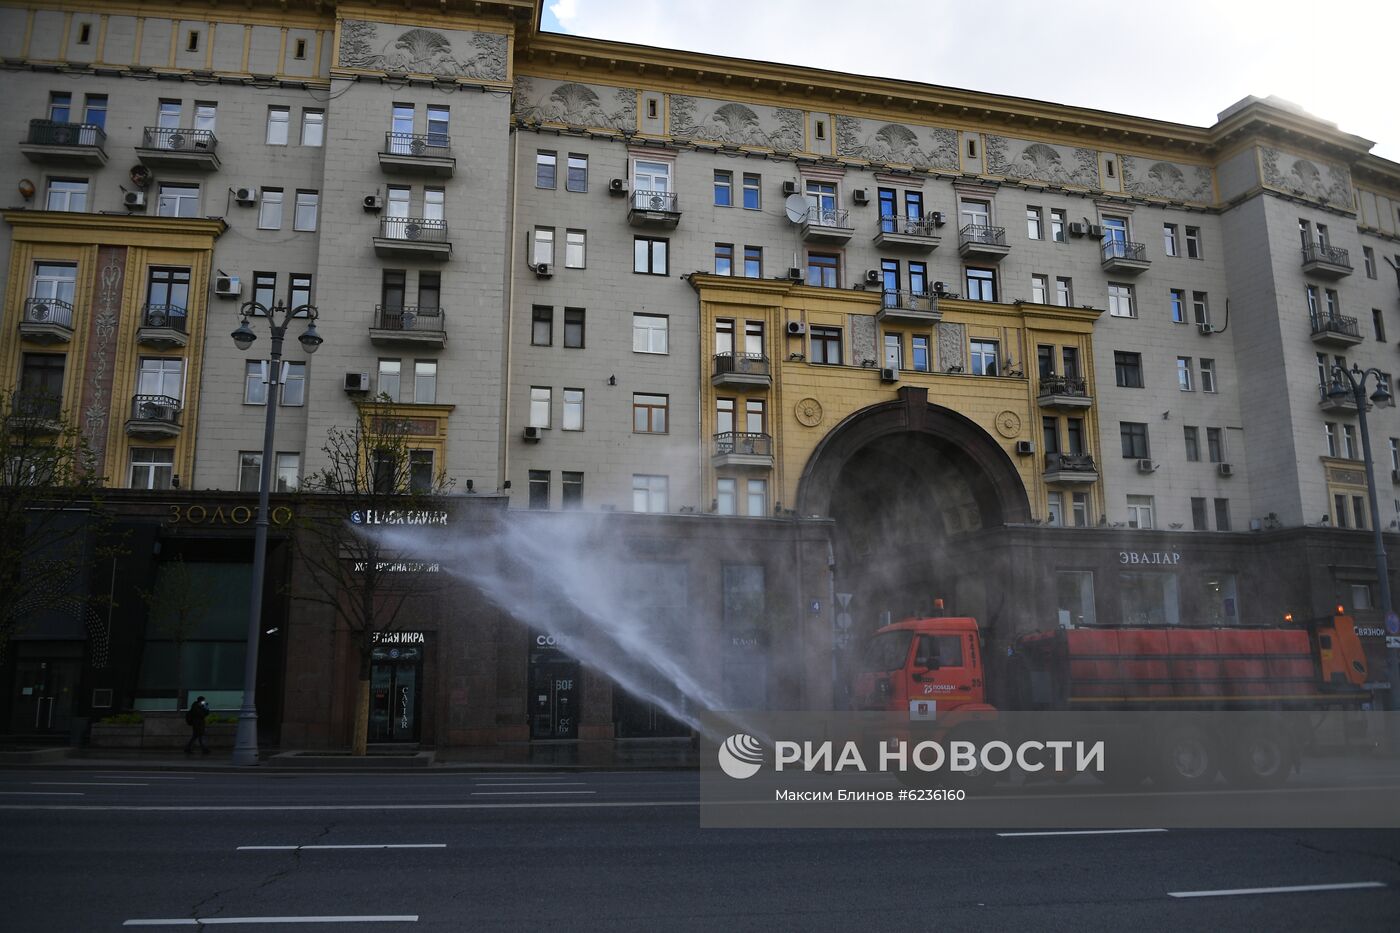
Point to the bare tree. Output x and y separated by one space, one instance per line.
374 475
47 510
178 605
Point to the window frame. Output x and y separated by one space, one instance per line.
653 416
279 123
645 252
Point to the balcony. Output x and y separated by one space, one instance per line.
46 320
413 237
413 154
1063 393
741 449
163 327
1124 258
739 370
827 225
35 413
179 148
154 416
1343 405
917 308
422 327
1334 330
907 233
653 209
1324 261
1070 469
65 143
980 242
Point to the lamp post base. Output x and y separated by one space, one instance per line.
245 743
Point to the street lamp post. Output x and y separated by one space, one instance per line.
245 748
1353 382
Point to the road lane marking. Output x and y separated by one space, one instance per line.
42 793
1085 832
212 921
352 807
83 784
373 845
526 793
144 777
1294 889
531 784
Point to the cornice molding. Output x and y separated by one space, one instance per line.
31 225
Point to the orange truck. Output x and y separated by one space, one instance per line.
937 669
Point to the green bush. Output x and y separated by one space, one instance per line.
123 719
216 720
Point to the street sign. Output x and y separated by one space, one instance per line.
844 599
1392 642
843 620
1392 623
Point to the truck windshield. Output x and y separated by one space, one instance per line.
887 651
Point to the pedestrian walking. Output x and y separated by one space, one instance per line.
194 718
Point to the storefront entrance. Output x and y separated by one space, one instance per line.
554 690
396 687
43 697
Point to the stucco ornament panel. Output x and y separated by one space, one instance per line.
863 339
923 147
729 122
1329 184
451 53
574 104
1036 161
951 340
1166 180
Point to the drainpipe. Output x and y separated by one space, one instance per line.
508 294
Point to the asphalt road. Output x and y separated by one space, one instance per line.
96 850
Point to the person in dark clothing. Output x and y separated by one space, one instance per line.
195 716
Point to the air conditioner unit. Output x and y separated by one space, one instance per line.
357 382
796 328
1146 466
889 374
373 202
873 277
1078 229
1025 448
617 186
543 271
228 286
245 196
789 188
1206 329
175 141
860 196
1096 230
796 274
938 288
134 200
939 218
1226 469
530 435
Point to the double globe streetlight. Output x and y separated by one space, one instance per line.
245 749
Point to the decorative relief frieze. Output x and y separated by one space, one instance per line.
777 128
1330 184
863 339
1166 180
951 342
922 147
1034 161
574 104
451 53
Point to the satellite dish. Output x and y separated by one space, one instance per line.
796 208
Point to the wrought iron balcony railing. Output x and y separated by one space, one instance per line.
828 216
420 319
1123 249
1063 385
426 145
747 364
172 316
1323 252
39 405
664 201
909 301
744 443
50 133
415 229
179 139
1335 324
1070 463
161 408
982 234
48 311
908 226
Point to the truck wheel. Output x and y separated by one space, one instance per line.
1261 758
1185 758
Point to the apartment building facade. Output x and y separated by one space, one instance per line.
1056 366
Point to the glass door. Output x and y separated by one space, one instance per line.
396 674
43 697
554 691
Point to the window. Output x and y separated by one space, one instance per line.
826 345
975 214
985 357
1050 433
724 189
648 493
298 290
1169 239
819 130
1215 444
1074 597
1140 512
278 122
293 384
574 243
265 288
918 277
921 357
754 416
1200 307
1177 299
1079 505
753 262
1133 435
757 497
429 292
299 52
1054 509
313 128
540 404
1331 429
752 193
308 204
1040 286
1193 443
1368 255
420 471
168 290
573 410
823 270
424 382
1207 375
152 467
1198 514
84 33
576 177
286 473
1120 300
1349 441
981 284
544 246
726 496
67 194
649 255
571 489
650 333
1395 454
439 123
539 489
41 383
1057 224
178 201
1193 242
1183 373
1071 360
1064 291
192 41
724 335
1378 323
390 372
434 203
1222 514
649 413
573 328
889 276
1128 369
167 113
1034 224
255 382
724 259
724 416
545 169
270 209
396 202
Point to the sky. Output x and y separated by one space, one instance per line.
1182 61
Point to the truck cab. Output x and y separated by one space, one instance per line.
927 666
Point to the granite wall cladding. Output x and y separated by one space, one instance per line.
1036 161
1167 180
450 53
